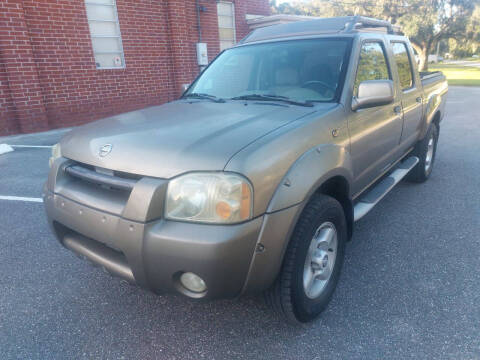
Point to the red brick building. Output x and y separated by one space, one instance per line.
67 62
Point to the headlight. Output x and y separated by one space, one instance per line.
56 153
209 197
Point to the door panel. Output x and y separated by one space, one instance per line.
412 115
374 137
375 132
411 94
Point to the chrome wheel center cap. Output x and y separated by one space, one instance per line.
319 260
325 261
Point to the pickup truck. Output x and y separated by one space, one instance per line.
252 180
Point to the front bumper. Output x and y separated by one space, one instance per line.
125 233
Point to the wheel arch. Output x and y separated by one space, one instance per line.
338 188
436 118
317 169
325 169
434 111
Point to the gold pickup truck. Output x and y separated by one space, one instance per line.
253 179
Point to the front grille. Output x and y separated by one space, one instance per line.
118 180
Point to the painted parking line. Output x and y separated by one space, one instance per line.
4 148
20 198
32 146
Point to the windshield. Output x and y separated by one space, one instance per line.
301 70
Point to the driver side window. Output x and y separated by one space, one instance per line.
372 64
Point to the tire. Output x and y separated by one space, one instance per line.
422 171
322 217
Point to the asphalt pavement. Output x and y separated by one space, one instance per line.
410 286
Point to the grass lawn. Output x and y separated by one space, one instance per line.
459 75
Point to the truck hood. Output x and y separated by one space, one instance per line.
167 140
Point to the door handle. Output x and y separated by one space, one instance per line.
397 110
419 100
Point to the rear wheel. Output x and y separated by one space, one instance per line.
425 150
312 262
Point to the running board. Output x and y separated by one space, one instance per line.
368 201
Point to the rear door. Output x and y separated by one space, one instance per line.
374 132
411 91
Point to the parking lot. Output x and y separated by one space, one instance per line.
410 286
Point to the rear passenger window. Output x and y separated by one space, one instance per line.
372 64
404 65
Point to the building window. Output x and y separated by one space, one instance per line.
226 24
105 33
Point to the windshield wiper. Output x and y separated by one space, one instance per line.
262 97
204 96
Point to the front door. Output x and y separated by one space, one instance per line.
374 132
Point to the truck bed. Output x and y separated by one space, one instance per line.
429 77
433 82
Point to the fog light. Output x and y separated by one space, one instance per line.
193 282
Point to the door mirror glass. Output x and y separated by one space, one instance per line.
373 93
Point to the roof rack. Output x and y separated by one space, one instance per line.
362 22
334 25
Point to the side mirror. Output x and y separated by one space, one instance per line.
373 93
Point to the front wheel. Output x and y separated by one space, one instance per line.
425 150
312 263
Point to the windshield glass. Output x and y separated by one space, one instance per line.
301 70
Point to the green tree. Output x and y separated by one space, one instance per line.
433 21
469 44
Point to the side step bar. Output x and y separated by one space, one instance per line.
368 201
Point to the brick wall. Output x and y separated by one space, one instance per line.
8 123
253 7
20 68
48 77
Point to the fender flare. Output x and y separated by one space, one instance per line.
432 108
309 172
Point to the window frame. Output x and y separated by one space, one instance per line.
414 82
234 28
387 62
118 37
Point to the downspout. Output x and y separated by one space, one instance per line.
199 26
